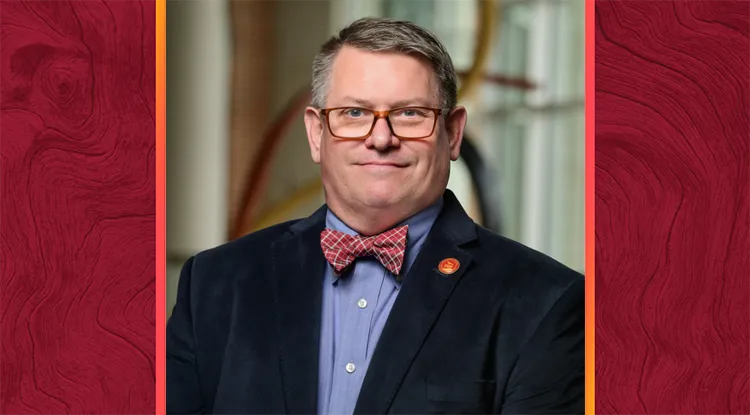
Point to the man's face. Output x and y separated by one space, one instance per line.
383 171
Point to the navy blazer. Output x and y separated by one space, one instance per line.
503 334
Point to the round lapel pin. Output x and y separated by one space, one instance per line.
449 266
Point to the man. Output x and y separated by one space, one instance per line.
388 299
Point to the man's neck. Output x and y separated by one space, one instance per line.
368 221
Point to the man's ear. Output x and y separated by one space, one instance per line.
455 124
314 127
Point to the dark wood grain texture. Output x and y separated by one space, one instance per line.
672 212
77 142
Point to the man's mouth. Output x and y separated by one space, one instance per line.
383 164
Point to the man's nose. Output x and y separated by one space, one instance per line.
382 138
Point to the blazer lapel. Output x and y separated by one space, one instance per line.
424 292
299 269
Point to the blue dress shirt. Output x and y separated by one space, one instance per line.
355 309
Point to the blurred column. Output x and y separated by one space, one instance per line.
253 58
537 164
300 28
197 130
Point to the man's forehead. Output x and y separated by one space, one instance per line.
350 56
364 77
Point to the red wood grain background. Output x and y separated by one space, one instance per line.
672 212
77 207
77 142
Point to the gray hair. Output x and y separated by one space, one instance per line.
385 35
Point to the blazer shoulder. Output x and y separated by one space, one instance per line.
533 286
251 247
530 270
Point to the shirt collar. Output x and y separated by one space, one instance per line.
419 223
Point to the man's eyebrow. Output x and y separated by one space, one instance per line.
416 102
403 103
357 101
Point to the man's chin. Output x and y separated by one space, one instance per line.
381 198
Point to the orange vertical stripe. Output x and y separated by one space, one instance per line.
161 173
590 236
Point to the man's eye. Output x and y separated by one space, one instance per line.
410 113
353 112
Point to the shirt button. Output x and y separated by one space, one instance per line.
362 303
350 367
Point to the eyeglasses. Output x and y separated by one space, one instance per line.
408 123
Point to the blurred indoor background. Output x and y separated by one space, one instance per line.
238 74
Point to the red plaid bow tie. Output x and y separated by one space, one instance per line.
341 249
